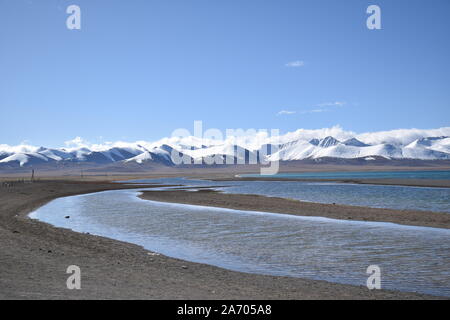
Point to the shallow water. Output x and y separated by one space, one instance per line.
376 196
410 258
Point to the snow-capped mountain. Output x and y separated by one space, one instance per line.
298 145
355 143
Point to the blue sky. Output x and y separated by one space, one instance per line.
140 69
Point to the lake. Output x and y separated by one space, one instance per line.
410 258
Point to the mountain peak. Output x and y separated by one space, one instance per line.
328 142
354 143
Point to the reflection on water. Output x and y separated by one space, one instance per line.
411 258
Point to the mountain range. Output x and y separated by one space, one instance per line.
290 147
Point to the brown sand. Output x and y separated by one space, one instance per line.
34 257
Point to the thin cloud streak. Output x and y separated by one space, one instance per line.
332 104
321 107
286 112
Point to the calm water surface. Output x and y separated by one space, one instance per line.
410 258
435 175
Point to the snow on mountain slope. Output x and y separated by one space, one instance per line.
225 149
225 152
299 150
161 154
54 154
387 151
428 148
355 143
337 151
334 149
328 142
301 144
24 158
141 158
424 154
443 145
119 154
4 155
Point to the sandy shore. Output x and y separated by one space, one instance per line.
208 197
34 257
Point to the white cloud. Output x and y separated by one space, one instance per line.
76 142
79 142
324 107
17 149
332 104
287 112
295 64
308 134
315 111
401 136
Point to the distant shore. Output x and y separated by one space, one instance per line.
34 257
431 183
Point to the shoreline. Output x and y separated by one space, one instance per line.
250 202
427 183
35 255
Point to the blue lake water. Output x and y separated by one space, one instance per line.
410 258
434 175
